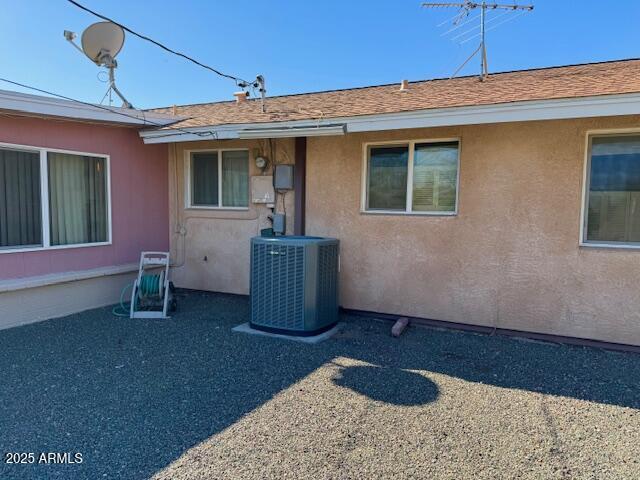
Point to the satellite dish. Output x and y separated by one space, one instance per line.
102 39
101 42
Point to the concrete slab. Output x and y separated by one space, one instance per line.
246 328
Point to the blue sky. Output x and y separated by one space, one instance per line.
299 46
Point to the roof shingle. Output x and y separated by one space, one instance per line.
586 80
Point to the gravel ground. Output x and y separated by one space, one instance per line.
189 399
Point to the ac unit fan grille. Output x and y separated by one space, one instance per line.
277 286
327 280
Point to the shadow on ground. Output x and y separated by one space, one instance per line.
388 385
132 396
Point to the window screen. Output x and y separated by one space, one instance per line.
235 178
204 178
613 210
435 174
434 177
387 183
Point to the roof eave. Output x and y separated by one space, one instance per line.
552 109
37 105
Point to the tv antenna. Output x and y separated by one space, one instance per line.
465 8
258 83
102 42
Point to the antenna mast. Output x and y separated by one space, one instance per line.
111 65
465 9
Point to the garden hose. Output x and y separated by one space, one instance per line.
122 310
150 286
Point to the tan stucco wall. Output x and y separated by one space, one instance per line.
222 236
510 258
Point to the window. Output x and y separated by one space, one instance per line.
613 196
388 178
416 177
20 206
219 179
52 199
77 199
204 175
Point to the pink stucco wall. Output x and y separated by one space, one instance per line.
139 194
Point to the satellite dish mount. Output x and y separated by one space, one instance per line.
101 43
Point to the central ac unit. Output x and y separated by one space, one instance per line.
294 284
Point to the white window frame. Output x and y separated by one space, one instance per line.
408 208
44 199
583 242
188 198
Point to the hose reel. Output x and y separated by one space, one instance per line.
151 286
152 293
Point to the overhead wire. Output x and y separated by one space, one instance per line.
237 80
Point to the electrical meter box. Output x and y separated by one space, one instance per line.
283 179
262 189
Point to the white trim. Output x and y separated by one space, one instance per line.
410 144
219 164
108 192
583 195
44 199
64 277
290 132
583 242
188 180
51 247
409 196
213 207
564 108
54 107
363 178
615 246
408 214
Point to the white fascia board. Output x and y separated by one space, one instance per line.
585 107
27 104
290 132
190 134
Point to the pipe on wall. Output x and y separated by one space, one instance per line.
299 180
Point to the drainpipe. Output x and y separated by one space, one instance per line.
300 175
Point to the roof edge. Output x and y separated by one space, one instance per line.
39 105
529 110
